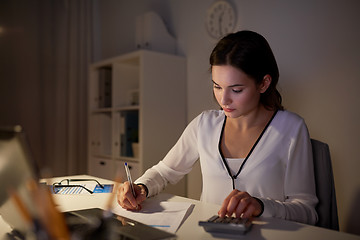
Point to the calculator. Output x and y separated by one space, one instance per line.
226 225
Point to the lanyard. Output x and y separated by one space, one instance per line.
233 177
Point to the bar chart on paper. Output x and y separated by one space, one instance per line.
108 188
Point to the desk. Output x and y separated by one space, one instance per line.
263 228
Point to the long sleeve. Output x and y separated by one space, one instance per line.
299 184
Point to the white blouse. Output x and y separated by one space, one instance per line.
279 170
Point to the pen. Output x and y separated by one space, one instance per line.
129 179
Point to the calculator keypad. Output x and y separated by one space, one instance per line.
226 225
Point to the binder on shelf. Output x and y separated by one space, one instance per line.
129 132
105 87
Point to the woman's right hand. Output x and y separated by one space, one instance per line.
242 204
126 199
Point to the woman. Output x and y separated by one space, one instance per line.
255 157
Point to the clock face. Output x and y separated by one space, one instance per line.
220 19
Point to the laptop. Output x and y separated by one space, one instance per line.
17 168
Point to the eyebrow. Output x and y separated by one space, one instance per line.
235 85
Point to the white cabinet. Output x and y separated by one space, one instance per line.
137 97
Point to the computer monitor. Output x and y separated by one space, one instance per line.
17 168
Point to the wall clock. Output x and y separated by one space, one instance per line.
220 19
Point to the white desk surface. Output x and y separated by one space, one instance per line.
263 228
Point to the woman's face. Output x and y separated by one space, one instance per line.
236 93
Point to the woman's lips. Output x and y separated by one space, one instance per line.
228 109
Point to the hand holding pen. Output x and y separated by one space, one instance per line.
130 195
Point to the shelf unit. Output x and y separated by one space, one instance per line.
136 97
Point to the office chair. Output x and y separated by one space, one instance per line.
325 187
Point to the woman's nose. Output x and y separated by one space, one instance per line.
225 98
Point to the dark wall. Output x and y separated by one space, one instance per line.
20 98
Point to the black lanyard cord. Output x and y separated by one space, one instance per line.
233 177
233 181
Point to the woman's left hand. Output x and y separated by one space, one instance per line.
240 203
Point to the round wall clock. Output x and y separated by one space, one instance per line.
220 19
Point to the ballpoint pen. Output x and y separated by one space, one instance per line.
129 179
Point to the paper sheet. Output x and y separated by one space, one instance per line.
166 216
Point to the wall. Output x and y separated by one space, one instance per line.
20 98
34 75
316 45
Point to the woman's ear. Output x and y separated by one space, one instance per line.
265 83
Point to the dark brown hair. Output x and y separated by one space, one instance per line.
251 53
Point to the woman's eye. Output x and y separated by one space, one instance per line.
217 87
237 90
